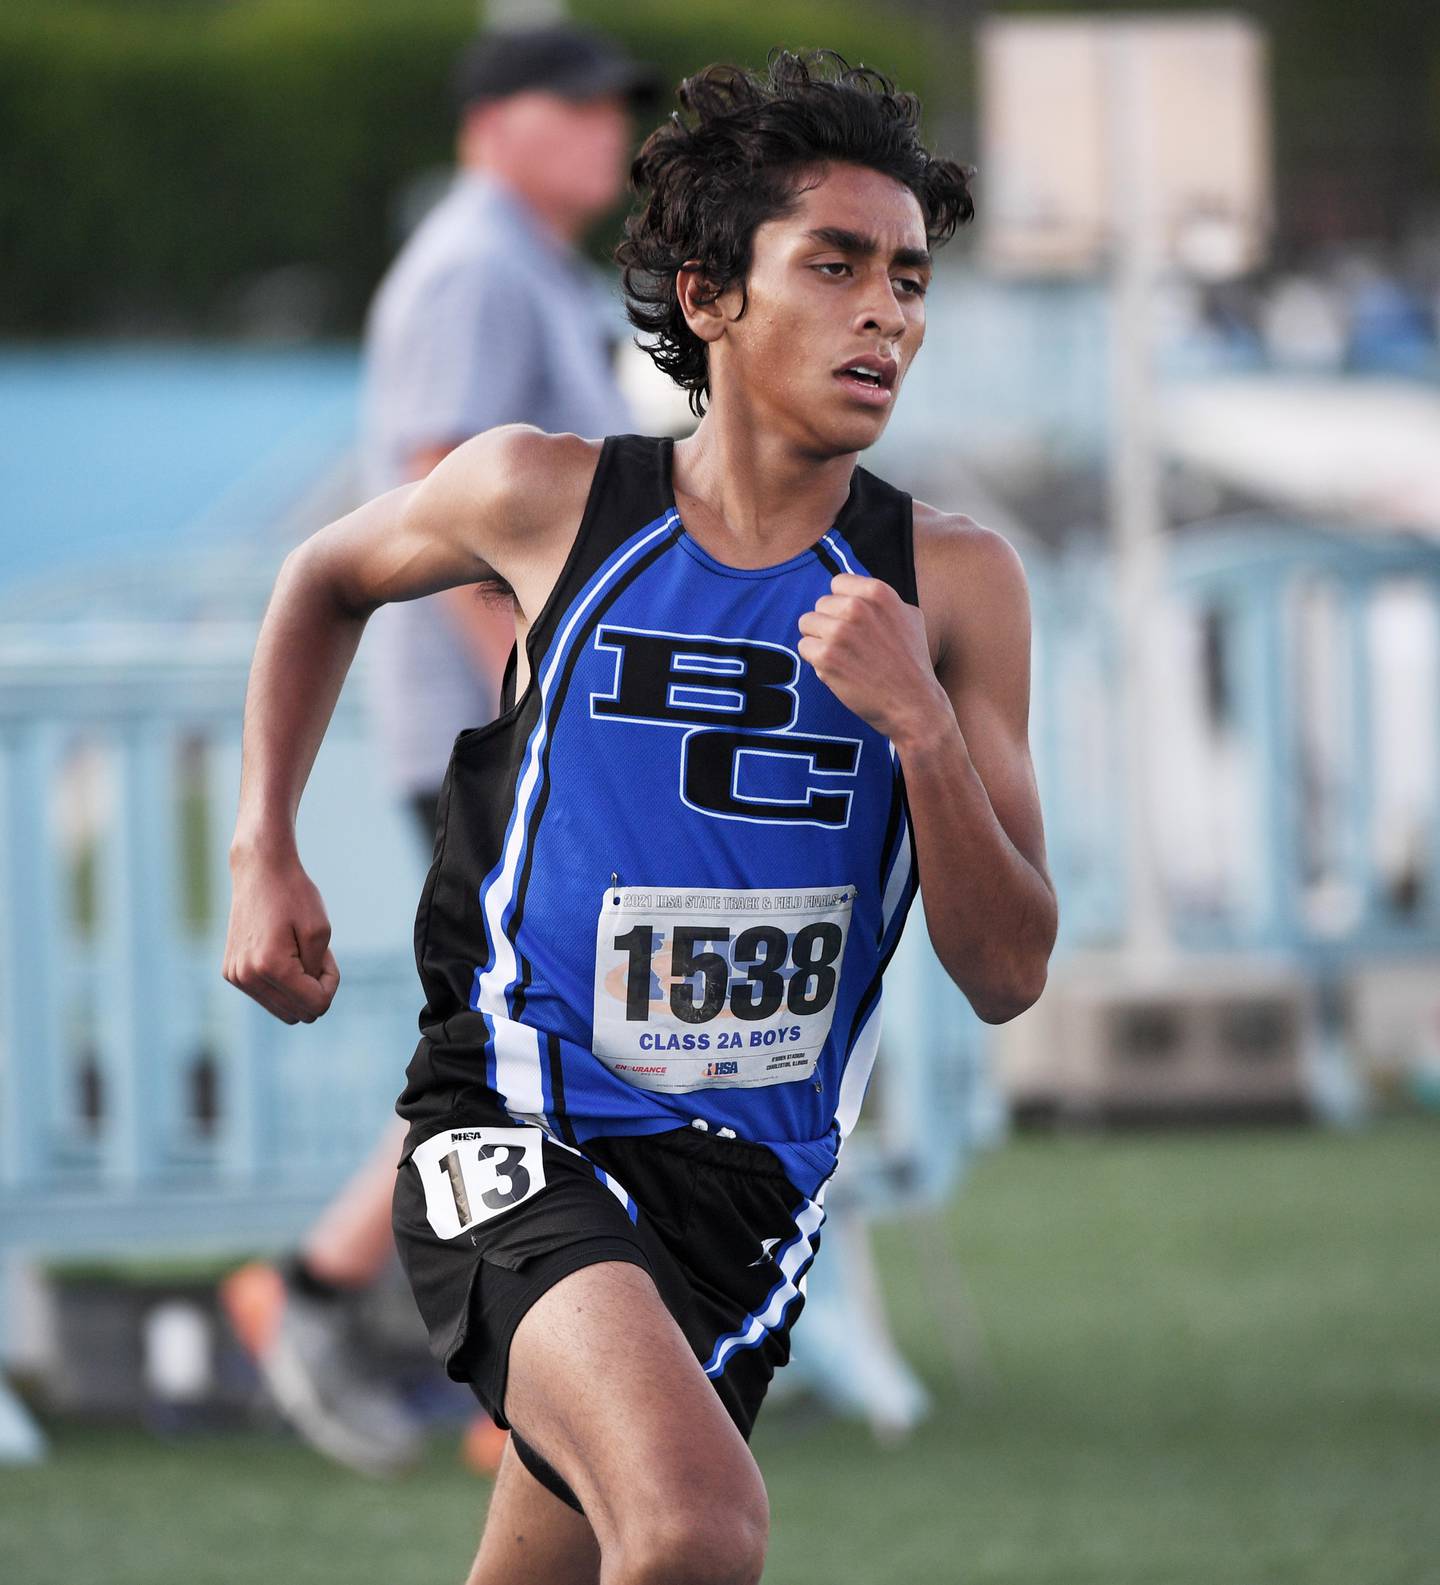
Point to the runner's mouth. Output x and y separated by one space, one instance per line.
870 378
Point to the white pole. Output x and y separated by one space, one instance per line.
1134 482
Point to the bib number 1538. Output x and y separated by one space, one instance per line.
723 988
761 953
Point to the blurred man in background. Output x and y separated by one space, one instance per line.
488 316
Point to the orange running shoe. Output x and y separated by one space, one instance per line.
483 1445
252 1298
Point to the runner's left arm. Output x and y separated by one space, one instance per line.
960 728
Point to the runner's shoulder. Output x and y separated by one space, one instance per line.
964 572
511 490
952 549
530 479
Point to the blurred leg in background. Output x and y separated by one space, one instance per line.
299 1318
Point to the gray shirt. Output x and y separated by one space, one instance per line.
483 319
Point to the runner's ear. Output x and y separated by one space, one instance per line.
699 301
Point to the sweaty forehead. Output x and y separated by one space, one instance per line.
854 198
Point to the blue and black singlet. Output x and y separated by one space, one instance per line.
668 877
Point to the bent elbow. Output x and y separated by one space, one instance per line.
311 566
998 1005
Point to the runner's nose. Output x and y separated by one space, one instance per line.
882 313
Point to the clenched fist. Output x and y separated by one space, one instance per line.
278 946
869 648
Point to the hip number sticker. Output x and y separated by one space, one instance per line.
472 1174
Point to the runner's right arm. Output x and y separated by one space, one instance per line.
484 627
505 504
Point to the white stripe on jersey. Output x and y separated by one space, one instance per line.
867 1043
899 877
839 554
518 1065
857 1073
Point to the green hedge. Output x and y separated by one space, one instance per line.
160 156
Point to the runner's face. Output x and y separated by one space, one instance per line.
839 280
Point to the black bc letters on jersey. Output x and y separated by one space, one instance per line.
735 700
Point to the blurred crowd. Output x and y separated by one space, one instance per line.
1355 309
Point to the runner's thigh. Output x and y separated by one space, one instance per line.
605 1387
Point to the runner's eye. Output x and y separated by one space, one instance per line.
835 264
910 286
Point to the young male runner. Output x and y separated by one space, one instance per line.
755 689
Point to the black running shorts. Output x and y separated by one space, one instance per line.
487 1219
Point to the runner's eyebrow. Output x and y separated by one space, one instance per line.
858 242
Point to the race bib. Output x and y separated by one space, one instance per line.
700 990
472 1174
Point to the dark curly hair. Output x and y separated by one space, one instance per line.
728 160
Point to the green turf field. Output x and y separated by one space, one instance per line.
1211 1361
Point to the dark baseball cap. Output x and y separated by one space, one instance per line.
561 58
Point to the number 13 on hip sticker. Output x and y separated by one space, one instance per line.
472 1174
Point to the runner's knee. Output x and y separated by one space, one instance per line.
722 1544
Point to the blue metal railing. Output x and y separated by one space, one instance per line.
1315 881
143 1099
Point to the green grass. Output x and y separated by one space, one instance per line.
1208 1361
